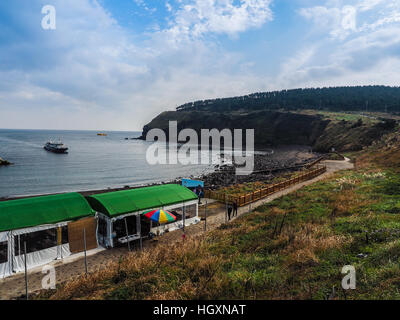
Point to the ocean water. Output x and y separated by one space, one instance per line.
93 162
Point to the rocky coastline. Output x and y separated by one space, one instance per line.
266 168
4 162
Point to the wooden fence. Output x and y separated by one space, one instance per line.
245 199
313 163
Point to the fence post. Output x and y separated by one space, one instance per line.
250 203
26 273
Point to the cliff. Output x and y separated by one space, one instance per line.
271 128
281 128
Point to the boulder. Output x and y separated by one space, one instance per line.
4 162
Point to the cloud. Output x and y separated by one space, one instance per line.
195 18
340 21
343 20
90 73
142 4
366 5
93 73
293 68
366 54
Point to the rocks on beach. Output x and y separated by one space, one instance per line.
4 162
265 169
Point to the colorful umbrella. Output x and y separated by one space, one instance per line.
160 216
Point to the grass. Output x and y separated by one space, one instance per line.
369 118
292 248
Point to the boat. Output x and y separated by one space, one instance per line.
102 134
56 147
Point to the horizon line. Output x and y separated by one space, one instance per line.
95 130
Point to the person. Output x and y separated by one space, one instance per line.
229 211
198 193
235 209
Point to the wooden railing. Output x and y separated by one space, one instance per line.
313 163
245 199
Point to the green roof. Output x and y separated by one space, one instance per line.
30 212
126 201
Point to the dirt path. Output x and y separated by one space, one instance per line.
13 287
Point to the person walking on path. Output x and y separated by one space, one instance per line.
235 209
229 211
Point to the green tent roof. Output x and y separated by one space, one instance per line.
126 201
30 212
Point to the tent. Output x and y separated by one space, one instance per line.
42 224
120 212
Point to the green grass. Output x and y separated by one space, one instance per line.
368 118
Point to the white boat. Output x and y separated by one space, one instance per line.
56 147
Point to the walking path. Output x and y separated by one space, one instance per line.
14 286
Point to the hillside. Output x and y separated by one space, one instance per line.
271 128
299 116
291 248
281 128
359 98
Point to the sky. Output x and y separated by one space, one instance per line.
114 65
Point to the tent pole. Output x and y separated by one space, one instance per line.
127 234
60 240
26 273
140 231
110 227
9 253
184 217
12 251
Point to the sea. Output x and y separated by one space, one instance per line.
92 163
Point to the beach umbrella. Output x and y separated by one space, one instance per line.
160 216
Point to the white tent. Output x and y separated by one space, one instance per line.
122 210
40 224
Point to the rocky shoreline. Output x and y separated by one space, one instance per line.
266 168
4 162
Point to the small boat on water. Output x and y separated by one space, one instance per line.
56 147
102 134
